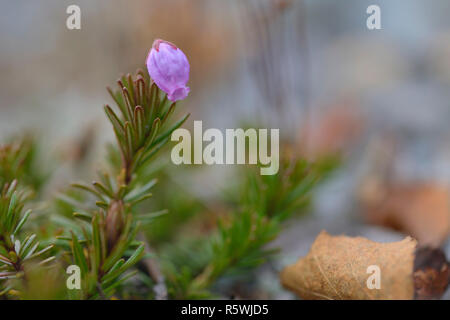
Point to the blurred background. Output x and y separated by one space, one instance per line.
378 98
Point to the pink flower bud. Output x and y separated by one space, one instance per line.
169 68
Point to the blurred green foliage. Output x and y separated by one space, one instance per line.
132 243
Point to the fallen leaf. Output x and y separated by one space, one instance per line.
431 273
421 211
336 267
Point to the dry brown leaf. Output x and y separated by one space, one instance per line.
431 273
336 268
421 211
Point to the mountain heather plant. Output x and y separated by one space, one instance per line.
105 228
